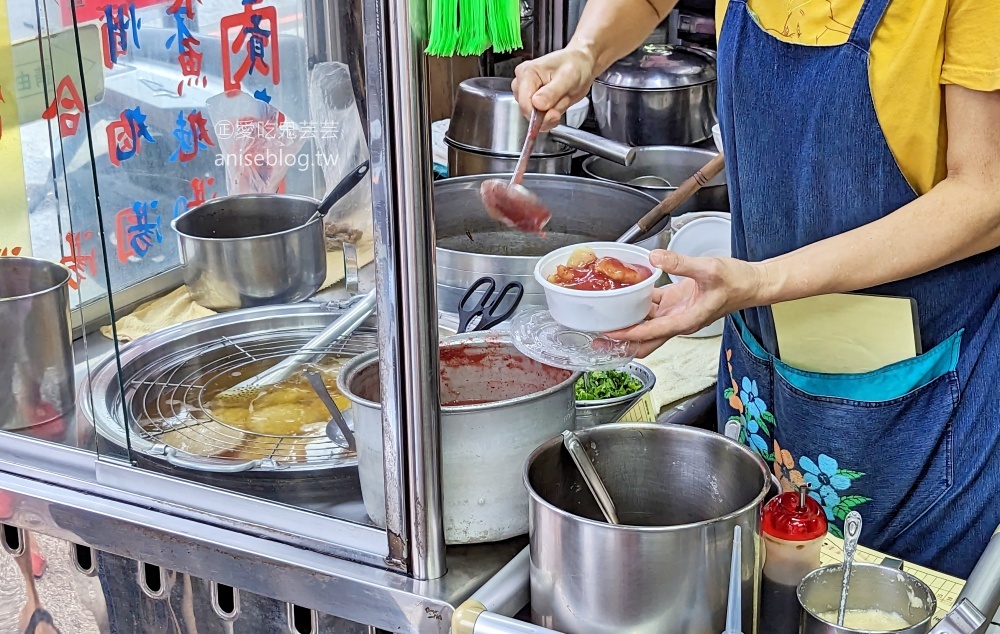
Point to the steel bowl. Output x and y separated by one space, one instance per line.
486 118
609 410
872 587
252 250
673 163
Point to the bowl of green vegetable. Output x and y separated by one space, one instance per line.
605 396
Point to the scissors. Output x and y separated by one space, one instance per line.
487 308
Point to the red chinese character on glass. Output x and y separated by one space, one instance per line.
126 134
79 263
68 105
198 186
10 251
185 6
135 231
257 43
192 135
115 31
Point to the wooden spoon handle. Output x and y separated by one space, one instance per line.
534 127
677 197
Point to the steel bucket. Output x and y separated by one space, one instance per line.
679 492
483 444
37 383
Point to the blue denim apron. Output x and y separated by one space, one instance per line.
912 447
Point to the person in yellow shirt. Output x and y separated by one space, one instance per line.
862 145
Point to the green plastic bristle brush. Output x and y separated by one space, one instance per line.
473 36
504 22
444 32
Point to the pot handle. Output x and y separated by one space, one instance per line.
593 144
204 465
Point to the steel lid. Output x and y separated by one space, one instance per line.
660 67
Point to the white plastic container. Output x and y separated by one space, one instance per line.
705 237
576 115
598 311
717 137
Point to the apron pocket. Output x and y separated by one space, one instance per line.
890 459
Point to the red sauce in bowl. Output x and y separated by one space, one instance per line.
599 274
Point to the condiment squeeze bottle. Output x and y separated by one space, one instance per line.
794 527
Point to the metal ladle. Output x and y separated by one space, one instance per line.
511 203
590 476
852 531
649 180
337 417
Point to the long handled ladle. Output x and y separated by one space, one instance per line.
852 531
511 203
675 199
590 476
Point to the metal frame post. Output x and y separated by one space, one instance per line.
399 132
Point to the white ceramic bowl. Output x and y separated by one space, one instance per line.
577 113
705 237
717 137
598 311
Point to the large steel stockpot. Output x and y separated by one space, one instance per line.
497 407
36 336
470 244
679 493
252 250
658 95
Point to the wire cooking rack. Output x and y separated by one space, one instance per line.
168 400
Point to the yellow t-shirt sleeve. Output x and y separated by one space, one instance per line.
972 45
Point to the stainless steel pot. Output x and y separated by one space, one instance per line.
679 492
470 244
36 370
658 95
498 405
252 250
674 164
608 410
486 120
872 587
466 162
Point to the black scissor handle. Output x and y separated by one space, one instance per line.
466 312
490 318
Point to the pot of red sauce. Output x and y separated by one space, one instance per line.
497 406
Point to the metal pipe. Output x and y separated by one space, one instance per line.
983 587
407 315
489 623
508 590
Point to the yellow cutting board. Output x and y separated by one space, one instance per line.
846 333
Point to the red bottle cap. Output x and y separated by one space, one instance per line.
794 517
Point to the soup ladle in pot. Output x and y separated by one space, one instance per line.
590 476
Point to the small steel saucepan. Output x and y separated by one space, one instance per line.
257 249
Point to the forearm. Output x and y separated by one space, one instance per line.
611 29
957 219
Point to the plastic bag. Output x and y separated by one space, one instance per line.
258 145
340 147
